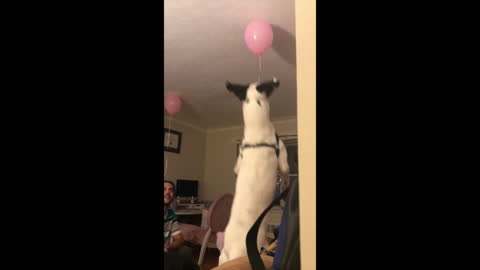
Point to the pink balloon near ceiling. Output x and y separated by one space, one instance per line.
173 103
258 36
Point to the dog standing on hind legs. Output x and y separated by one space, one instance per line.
261 155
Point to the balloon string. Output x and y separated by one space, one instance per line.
168 141
259 67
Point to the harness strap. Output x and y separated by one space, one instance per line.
276 147
277 150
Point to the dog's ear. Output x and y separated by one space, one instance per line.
267 87
239 90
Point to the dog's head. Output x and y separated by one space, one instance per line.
242 90
255 98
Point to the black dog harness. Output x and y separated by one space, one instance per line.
274 146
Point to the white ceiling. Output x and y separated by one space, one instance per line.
204 47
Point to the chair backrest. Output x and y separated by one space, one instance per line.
219 213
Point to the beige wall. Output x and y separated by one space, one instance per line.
220 157
189 164
305 17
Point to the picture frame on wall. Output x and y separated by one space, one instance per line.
173 142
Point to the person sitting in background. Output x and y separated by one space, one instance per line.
173 242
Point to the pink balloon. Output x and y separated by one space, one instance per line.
173 103
258 36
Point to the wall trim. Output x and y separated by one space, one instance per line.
166 118
209 130
278 121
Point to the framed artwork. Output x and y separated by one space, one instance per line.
172 143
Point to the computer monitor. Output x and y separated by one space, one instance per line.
187 188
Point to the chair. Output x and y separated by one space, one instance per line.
218 216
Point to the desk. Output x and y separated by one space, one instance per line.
199 217
192 216
188 212
191 221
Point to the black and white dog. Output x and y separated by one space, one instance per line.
261 155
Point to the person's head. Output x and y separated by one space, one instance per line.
168 192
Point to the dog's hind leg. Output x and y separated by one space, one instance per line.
283 165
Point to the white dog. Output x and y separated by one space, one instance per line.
261 154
